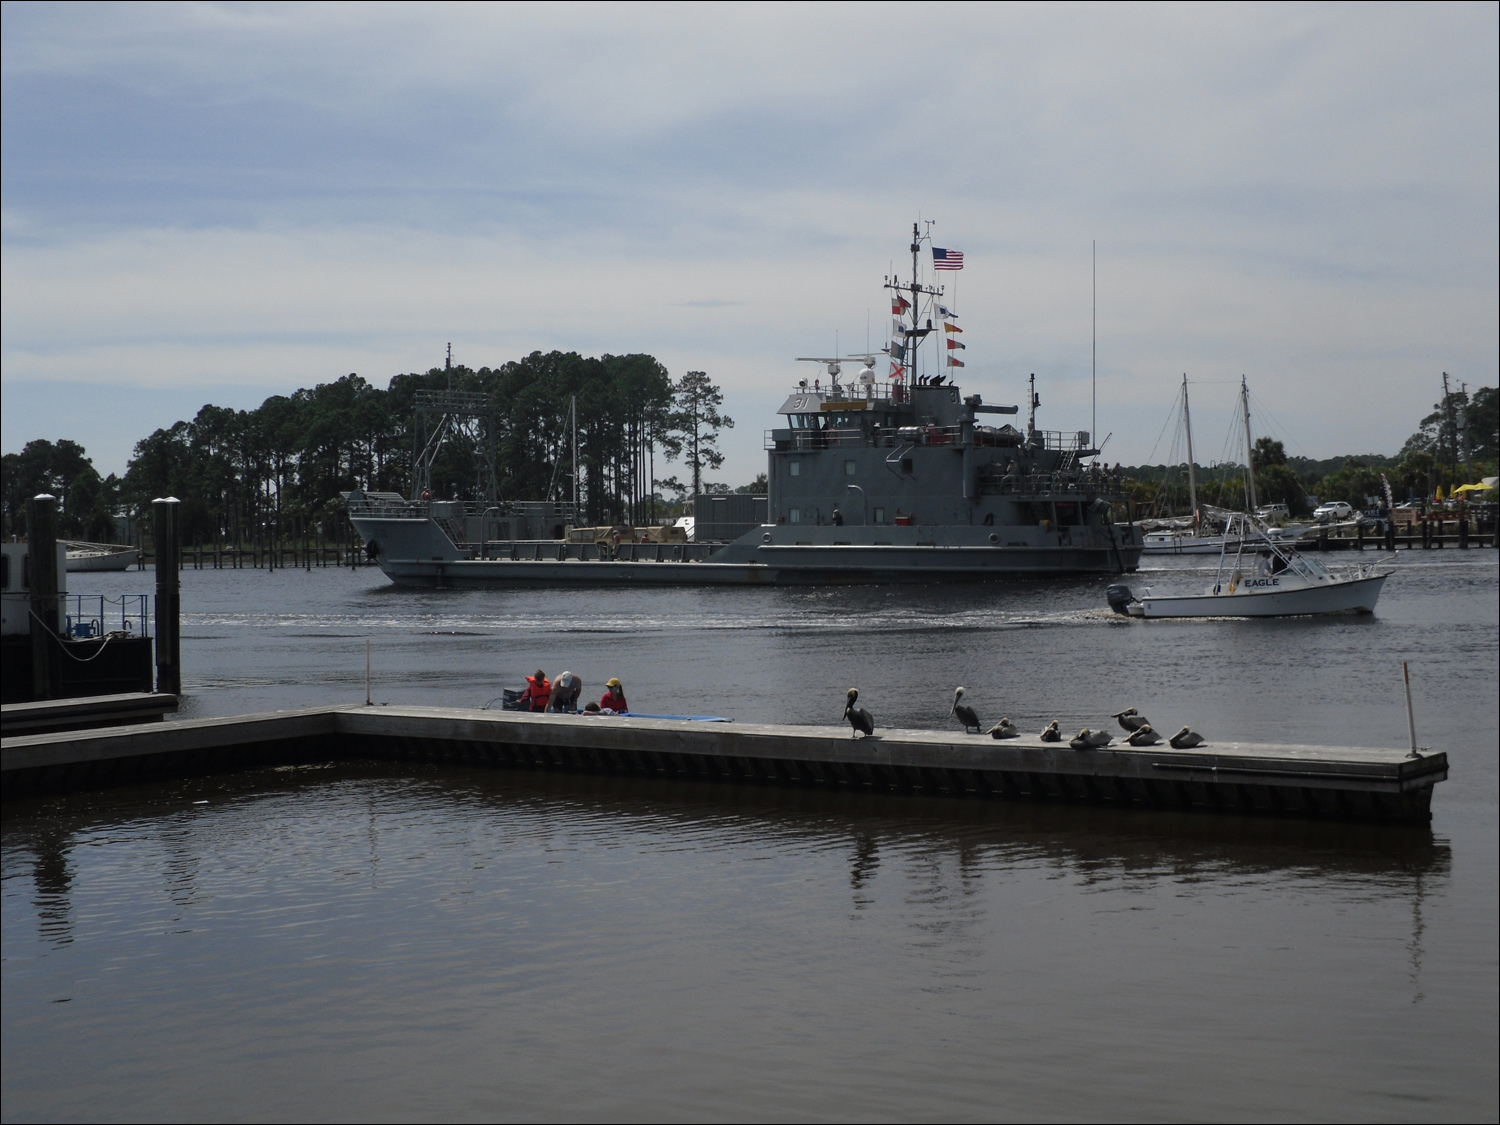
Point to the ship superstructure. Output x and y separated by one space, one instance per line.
870 480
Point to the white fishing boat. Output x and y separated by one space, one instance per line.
1261 579
100 556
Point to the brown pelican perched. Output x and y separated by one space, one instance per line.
1143 735
963 712
1052 734
1131 719
1186 739
1091 739
1005 729
860 719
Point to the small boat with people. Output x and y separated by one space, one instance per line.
1263 577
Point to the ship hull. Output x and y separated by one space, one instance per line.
417 552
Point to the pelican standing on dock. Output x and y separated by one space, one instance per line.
860 719
963 712
1131 720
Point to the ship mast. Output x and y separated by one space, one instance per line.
916 333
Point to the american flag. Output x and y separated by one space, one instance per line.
947 259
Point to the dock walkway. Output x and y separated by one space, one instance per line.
1343 782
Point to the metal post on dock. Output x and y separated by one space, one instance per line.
1411 720
367 672
168 595
41 562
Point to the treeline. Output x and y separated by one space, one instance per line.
278 471
1458 443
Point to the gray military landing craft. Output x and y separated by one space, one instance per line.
903 478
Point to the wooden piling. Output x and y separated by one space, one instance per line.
42 585
168 596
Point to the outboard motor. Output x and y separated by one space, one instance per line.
1119 597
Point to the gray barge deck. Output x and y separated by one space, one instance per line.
1230 777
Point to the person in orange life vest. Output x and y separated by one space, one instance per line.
538 691
614 698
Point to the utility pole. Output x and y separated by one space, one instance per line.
1452 428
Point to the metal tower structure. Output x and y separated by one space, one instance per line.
441 415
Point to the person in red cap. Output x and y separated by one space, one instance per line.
614 698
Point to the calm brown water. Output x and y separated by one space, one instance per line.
380 942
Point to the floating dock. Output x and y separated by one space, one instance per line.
1227 777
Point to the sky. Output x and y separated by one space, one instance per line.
220 202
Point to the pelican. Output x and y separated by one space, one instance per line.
1052 734
860 719
963 712
1143 735
1004 729
1186 739
1091 740
1131 720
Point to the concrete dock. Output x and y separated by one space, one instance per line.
1229 777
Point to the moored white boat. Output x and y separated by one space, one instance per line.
100 556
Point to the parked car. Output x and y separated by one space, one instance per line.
1273 512
1333 510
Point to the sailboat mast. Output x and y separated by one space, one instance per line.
1249 462
1187 424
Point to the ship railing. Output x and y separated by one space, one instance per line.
1041 485
96 615
459 509
1068 442
898 393
786 440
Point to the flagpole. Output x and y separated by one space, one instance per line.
1094 352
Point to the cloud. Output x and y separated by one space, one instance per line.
204 196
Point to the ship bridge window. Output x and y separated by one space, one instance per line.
805 421
794 515
795 469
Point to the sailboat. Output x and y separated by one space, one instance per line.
1193 541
